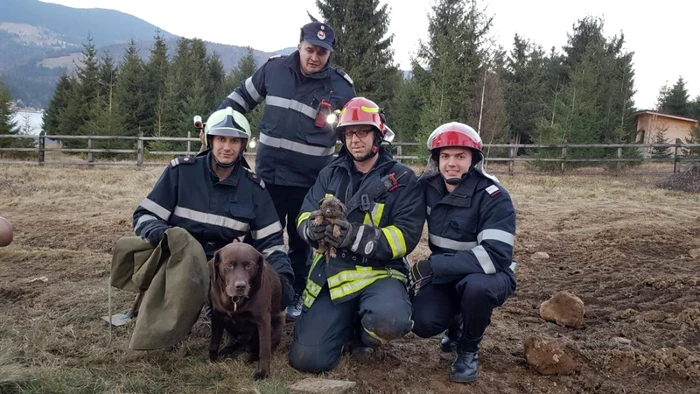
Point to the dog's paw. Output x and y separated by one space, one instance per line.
259 375
331 252
213 356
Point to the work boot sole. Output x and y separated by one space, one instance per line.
462 379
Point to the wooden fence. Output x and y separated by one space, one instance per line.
563 158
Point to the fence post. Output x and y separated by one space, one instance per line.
399 152
511 162
139 150
563 156
619 159
42 147
676 155
189 143
91 146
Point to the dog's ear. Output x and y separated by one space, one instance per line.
214 268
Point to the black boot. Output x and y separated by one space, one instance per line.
293 310
448 343
465 367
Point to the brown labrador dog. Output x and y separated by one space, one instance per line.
245 294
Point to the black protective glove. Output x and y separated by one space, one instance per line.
422 274
348 235
287 292
315 232
155 235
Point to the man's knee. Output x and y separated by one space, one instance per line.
388 323
427 326
481 289
314 359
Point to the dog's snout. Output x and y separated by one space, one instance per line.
240 284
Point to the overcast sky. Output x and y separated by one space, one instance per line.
663 35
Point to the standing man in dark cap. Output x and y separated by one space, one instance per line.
296 142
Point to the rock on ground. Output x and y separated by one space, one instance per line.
549 357
325 386
564 308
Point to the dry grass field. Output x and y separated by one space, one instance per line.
621 245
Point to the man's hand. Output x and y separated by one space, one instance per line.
316 232
287 292
156 235
346 236
422 274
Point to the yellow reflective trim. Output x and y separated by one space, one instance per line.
396 241
377 213
375 336
317 257
367 219
328 195
370 110
308 299
302 216
348 288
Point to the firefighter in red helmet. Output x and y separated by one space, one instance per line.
471 225
361 294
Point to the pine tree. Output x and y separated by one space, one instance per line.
455 60
84 91
363 45
676 101
157 71
130 94
7 124
108 74
58 104
658 152
526 92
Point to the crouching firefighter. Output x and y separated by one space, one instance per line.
360 296
216 198
471 224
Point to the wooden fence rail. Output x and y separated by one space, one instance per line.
564 157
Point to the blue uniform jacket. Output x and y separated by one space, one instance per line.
189 195
292 149
397 213
471 230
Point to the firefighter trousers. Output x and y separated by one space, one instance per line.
287 201
475 296
380 313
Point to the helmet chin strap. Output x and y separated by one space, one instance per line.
229 165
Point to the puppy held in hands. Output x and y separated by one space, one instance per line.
332 211
245 294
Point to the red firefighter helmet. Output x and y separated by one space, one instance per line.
454 134
361 111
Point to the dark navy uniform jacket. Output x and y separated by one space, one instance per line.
292 149
189 195
472 229
395 213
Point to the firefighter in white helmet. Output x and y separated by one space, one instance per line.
471 225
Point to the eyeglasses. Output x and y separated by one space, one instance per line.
359 133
